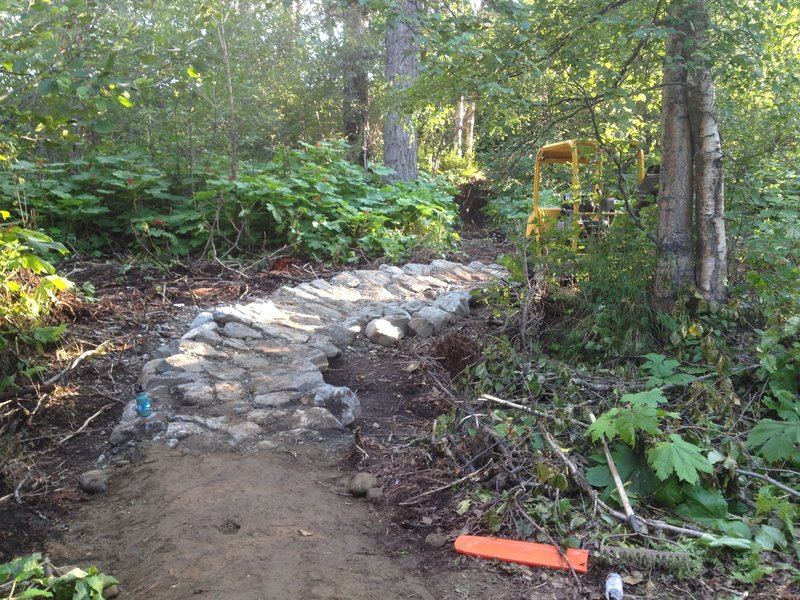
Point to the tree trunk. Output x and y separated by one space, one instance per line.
711 266
458 139
675 264
399 140
470 127
355 109
233 131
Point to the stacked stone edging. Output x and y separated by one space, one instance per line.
253 373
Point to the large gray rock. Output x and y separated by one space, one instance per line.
199 348
342 402
383 332
435 316
422 328
456 303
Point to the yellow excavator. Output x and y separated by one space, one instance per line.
592 209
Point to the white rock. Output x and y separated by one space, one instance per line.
383 332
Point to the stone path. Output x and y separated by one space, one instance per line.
251 375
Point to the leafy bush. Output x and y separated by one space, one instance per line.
26 577
29 286
311 199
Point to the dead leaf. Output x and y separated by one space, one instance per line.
634 578
412 366
304 533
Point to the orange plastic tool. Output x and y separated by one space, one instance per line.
526 553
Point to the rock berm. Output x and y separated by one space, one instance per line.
251 375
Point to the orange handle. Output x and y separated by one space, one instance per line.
526 553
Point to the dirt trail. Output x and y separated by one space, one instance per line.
260 526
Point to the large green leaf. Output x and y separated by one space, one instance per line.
776 441
680 457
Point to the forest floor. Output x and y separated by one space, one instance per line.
183 524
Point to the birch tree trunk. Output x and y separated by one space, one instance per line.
233 130
675 261
399 140
470 127
355 108
711 266
458 139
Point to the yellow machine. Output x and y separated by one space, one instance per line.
575 153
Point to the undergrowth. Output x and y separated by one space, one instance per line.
698 407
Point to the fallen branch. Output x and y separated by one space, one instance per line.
769 480
49 384
533 411
623 495
85 424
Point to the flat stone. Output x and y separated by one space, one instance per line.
456 303
274 399
391 270
225 371
93 482
342 402
185 362
235 344
383 332
315 418
296 381
361 483
244 431
167 379
282 332
198 348
201 319
231 314
416 269
197 393
239 331
258 363
229 392
207 333
346 279
262 312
